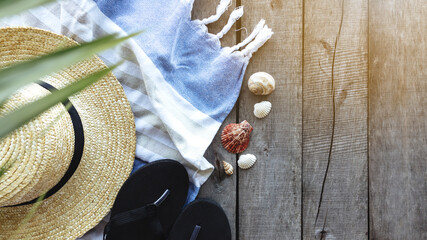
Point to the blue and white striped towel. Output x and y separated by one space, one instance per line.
179 80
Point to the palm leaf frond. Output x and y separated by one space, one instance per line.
24 114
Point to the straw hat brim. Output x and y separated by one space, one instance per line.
109 147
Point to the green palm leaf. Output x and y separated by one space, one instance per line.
19 75
24 114
10 7
3 169
9 163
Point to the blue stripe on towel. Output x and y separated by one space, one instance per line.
190 59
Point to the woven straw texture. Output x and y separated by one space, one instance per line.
39 152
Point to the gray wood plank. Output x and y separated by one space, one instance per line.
398 119
270 191
335 78
222 191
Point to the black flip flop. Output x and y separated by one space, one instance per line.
201 220
149 202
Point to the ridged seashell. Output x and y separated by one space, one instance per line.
235 136
228 168
262 109
261 83
246 161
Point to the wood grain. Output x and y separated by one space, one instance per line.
270 191
335 182
222 191
311 177
398 119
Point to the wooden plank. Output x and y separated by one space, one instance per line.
270 192
398 119
222 191
335 78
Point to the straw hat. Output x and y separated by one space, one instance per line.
81 157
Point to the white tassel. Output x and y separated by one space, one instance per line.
260 39
234 16
220 9
251 37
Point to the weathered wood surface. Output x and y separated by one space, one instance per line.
335 182
398 119
270 192
343 153
222 191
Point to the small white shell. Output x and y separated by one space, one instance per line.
246 161
261 83
262 109
228 168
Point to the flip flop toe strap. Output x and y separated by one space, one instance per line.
146 216
135 215
195 232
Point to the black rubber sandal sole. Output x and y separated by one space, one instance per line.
201 220
149 202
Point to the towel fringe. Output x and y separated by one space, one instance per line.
260 39
220 9
251 37
234 16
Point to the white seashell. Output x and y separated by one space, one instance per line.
228 168
262 109
261 83
246 161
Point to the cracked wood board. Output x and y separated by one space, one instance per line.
270 192
222 191
398 119
335 78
